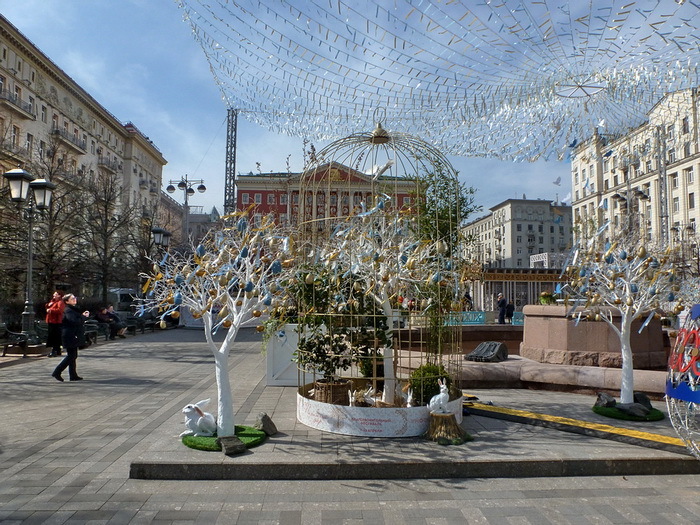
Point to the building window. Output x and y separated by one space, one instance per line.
686 149
258 198
519 227
295 198
30 143
576 177
271 198
530 227
689 176
669 132
284 220
691 201
14 138
284 198
407 201
42 148
519 238
686 125
519 263
540 228
676 205
671 156
541 240
650 166
674 180
245 198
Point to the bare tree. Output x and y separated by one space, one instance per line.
106 218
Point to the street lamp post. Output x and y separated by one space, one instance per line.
683 235
630 194
187 186
34 203
161 237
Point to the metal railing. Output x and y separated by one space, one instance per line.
13 99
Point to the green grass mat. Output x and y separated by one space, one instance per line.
251 437
614 413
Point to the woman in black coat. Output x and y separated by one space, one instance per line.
73 335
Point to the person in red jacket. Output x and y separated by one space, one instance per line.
54 320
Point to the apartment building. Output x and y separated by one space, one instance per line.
644 181
517 231
44 112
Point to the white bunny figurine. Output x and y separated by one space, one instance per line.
368 396
198 422
351 396
409 398
438 403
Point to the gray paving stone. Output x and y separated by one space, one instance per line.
74 464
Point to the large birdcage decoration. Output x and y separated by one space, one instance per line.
379 286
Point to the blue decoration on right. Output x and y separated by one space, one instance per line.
683 382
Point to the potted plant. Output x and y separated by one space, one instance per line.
547 297
321 351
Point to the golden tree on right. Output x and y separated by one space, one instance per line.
627 276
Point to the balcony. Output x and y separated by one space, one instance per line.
17 105
73 142
111 165
14 152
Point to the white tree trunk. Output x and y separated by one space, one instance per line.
224 422
225 425
627 384
389 372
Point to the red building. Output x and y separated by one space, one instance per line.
319 195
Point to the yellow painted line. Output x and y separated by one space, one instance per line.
648 436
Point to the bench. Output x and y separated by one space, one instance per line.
472 317
140 322
97 329
10 339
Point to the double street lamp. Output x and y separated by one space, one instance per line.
161 237
187 186
32 204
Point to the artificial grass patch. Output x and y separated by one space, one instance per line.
251 437
616 413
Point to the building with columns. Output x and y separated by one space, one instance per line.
644 181
320 196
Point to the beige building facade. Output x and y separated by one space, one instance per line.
644 182
516 230
44 112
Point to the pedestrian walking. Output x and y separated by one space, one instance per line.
54 321
73 336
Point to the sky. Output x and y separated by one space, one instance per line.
138 59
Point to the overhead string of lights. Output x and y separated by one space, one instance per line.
512 79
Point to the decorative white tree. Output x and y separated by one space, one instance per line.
628 276
229 278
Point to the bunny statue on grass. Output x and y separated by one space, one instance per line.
198 422
438 403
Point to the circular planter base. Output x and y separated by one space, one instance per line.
367 421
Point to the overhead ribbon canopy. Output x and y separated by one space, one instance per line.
512 79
